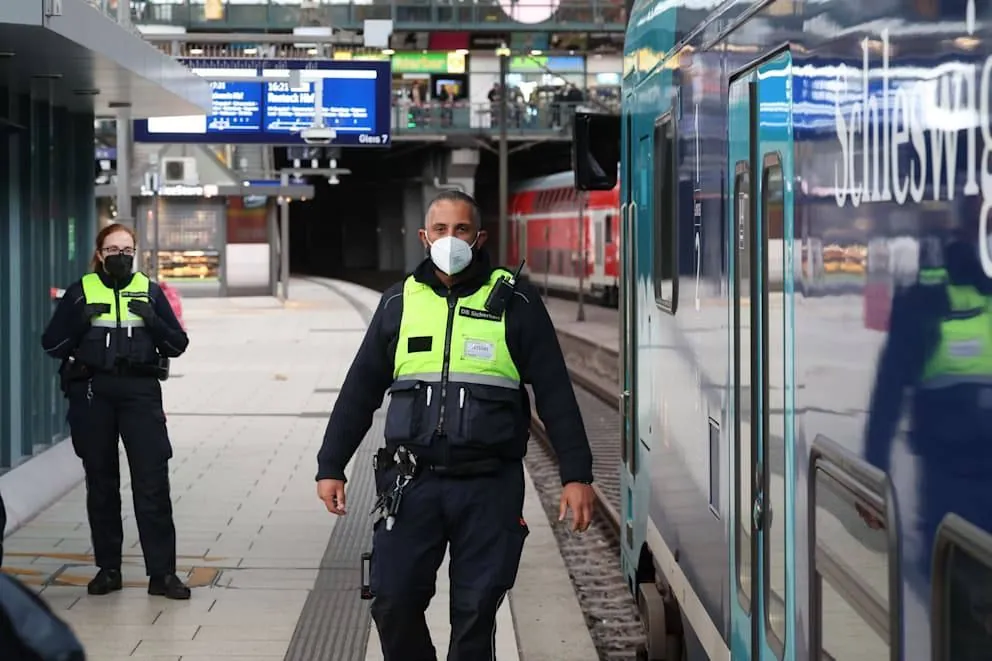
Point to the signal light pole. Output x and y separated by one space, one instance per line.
580 314
504 156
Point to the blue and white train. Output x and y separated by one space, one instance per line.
807 328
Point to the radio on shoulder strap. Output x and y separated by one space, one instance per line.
502 292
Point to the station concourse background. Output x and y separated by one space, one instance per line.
354 230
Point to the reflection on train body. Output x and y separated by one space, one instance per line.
807 326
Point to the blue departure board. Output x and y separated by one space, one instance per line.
237 107
348 104
355 102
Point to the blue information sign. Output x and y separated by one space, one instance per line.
237 106
355 103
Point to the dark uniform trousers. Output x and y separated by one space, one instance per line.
480 517
128 408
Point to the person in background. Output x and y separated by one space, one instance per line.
114 331
495 97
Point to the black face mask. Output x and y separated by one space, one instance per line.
118 266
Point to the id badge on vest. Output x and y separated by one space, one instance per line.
479 350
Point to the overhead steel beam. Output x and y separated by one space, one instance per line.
251 79
323 172
339 37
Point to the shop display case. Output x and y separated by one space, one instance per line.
188 265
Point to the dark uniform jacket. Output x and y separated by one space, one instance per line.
68 326
533 345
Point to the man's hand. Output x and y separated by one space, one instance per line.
332 493
579 498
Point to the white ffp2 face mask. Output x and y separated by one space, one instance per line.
451 254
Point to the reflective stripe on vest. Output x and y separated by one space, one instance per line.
476 340
94 291
964 353
932 276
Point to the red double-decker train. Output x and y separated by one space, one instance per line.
545 229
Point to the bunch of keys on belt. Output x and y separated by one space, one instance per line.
388 503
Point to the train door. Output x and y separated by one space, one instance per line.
760 216
628 332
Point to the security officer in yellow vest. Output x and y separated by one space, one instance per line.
939 356
455 373
112 330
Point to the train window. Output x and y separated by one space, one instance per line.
774 575
962 608
854 577
665 200
598 241
609 229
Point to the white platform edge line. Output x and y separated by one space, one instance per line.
554 606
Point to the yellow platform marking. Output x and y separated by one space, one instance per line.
198 576
87 557
20 571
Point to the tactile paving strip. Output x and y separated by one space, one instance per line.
335 622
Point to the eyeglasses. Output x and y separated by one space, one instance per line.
114 250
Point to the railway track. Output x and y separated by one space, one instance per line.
593 558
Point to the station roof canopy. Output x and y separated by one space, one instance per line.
83 59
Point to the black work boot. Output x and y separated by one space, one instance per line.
105 582
168 586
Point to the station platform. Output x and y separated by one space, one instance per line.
274 576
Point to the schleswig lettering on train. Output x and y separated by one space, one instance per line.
933 119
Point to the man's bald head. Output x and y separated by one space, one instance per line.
453 213
455 196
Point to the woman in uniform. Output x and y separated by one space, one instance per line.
114 332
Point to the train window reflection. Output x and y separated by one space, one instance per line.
851 570
772 214
969 606
665 212
963 592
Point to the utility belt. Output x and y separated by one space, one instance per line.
385 459
408 467
73 371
